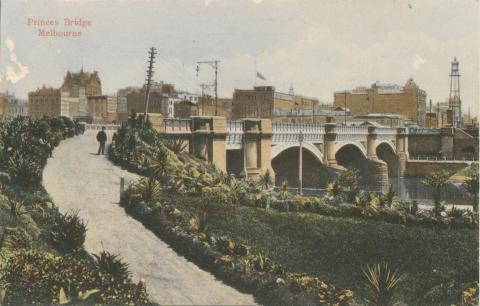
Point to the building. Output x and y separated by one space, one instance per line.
318 116
11 106
390 120
264 101
157 102
408 101
90 82
185 109
122 108
44 102
206 107
102 108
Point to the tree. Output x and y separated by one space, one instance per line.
471 185
438 181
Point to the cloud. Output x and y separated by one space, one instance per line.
418 61
18 71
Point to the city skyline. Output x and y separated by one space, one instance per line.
318 54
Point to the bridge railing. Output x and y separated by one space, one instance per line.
443 158
423 131
234 134
290 132
387 133
177 125
347 133
96 126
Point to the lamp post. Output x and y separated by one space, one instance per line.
300 164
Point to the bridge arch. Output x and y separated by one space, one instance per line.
340 145
278 149
285 164
386 152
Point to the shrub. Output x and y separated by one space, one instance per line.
349 210
67 232
34 277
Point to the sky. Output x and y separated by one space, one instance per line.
315 46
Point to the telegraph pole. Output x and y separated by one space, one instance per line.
300 164
148 81
214 65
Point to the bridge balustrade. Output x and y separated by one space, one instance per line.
177 126
290 132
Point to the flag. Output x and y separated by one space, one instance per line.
260 76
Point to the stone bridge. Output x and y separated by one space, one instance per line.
257 145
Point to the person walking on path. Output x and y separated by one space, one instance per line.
102 139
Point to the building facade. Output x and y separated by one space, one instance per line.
44 102
408 100
90 82
265 101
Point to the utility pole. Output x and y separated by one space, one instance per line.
300 164
204 87
214 65
148 81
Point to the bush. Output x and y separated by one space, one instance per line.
34 277
67 232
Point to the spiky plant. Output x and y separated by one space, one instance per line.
177 145
382 283
113 265
67 232
16 208
148 187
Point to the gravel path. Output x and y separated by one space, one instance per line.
76 178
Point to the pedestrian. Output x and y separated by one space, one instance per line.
102 139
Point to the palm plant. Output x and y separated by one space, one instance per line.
266 179
334 189
438 181
389 196
382 283
284 190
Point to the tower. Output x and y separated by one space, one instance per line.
454 101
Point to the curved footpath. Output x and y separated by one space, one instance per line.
78 179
